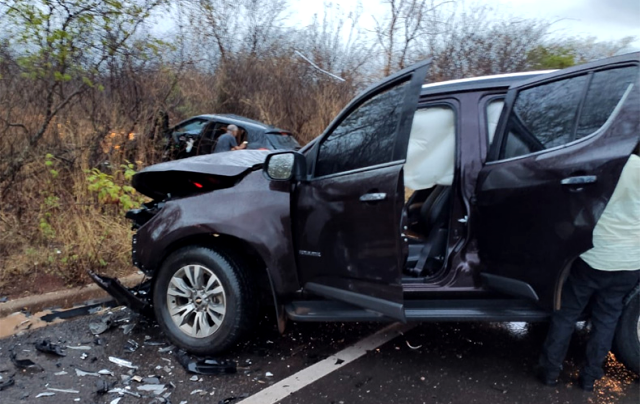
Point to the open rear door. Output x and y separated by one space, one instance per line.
562 141
347 213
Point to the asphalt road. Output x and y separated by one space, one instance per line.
432 363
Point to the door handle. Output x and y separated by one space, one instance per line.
373 197
579 180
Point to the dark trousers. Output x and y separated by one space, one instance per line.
606 290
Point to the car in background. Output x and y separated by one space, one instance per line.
198 135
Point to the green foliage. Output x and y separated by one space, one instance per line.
551 57
111 188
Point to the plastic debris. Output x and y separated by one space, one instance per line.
103 386
61 373
100 326
116 401
268 374
194 378
79 348
126 329
156 389
131 346
196 391
81 372
412 347
205 366
229 400
6 383
151 380
167 349
159 400
84 356
46 394
122 362
26 364
105 372
123 392
64 390
45 345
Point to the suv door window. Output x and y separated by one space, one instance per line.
543 117
364 138
605 92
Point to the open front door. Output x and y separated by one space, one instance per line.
561 144
347 212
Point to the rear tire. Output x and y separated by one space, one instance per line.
202 300
626 343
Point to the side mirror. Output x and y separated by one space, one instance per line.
284 166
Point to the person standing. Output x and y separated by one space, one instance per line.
605 274
228 141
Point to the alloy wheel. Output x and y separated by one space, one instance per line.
196 301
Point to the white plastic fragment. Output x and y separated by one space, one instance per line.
123 392
122 362
194 378
80 348
83 356
116 400
196 391
183 402
105 372
64 390
76 399
268 374
83 373
45 394
61 373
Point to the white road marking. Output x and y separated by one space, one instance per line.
305 377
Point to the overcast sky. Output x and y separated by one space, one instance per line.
604 19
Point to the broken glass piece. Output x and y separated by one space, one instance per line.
62 373
79 348
156 389
131 346
105 372
45 394
122 362
81 372
116 400
100 326
123 392
64 390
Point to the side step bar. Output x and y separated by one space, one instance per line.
421 310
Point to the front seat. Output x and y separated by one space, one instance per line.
434 226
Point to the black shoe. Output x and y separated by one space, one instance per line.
546 379
586 384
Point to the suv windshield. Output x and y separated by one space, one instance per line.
283 140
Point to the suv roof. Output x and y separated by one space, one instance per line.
243 121
479 83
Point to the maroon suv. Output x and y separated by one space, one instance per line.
458 201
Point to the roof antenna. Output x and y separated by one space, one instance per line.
316 66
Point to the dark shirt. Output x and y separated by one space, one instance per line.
225 143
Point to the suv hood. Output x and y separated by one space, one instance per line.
210 171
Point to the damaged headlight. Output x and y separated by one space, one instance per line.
142 215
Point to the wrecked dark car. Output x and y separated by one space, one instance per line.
457 201
199 135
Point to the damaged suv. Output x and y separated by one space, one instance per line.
457 201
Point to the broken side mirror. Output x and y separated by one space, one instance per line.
285 166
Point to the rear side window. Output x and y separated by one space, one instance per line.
605 92
543 117
194 126
364 138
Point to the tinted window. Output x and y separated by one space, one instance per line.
193 127
605 92
283 141
364 138
543 117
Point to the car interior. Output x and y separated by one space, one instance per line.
428 172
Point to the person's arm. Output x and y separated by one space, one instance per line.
243 145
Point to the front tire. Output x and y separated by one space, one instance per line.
202 300
626 343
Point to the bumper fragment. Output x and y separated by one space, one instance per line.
137 298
